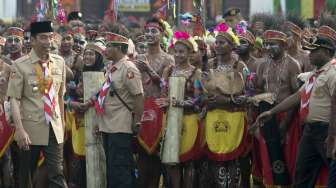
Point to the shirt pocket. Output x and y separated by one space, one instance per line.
57 80
30 116
320 86
32 87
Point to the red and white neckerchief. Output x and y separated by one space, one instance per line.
306 93
48 95
99 103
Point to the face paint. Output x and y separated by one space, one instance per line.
152 35
14 44
141 48
222 46
243 48
181 53
274 49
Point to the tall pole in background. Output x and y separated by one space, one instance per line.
178 12
224 6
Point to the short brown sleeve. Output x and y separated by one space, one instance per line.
15 84
133 81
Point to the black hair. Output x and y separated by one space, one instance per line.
270 21
205 60
296 19
328 19
98 65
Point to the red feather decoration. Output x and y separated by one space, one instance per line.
222 27
181 35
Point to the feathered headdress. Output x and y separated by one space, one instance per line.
224 30
186 39
168 34
328 19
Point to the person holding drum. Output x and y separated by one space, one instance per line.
151 66
226 119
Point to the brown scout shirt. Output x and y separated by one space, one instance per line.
161 61
320 99
21 81
127 82
4 77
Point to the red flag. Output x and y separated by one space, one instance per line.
6 134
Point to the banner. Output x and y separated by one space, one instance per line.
134 6
257 6
307 8
6 134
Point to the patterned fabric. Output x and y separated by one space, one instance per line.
305 95
99 104
225 174
48 96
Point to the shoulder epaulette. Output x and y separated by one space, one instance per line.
22 59
56 56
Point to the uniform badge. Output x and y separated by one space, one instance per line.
33 73
317 92
130 74
35 89
13 75
35 86
278 167
112 68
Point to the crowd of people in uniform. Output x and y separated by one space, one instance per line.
258 102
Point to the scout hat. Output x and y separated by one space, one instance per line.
41 27
231 12
91 34
115 38
293 28
274 35
15 31
247 35
325 38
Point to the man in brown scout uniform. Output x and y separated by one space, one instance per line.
316 97
232 17
36 89
152 65
119 108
